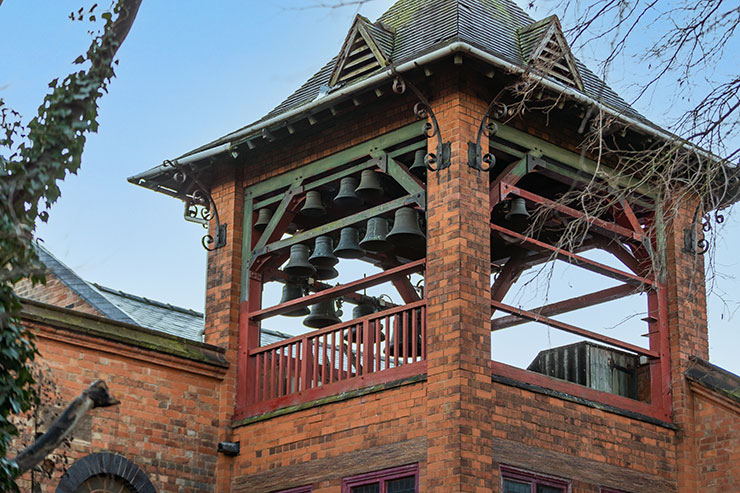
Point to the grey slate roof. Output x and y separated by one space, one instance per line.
136 310
421 26
714 378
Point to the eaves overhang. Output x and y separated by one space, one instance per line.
160 178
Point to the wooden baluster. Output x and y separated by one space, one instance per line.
387 341
273 373
414 336
332 356
281 371
367 346
406 350
289 372
315 361
305 364
397 334
358 364
376 325
423 332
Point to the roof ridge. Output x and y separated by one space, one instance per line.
76 284
143 299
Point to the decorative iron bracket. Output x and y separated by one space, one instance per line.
422 109
695 242
476 158
200 207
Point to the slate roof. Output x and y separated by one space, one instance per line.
714 378
421 26
137 310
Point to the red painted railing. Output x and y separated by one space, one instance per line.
373 349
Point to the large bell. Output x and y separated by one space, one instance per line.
518 211
360 311
375 237
313 207
263 219
408 336
348 246
291 292
347 196
322 314
298 264
369 188
326 273
406 229
323 255
419 167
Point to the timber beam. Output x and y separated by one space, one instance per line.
575 259
339 291
534 317
569 305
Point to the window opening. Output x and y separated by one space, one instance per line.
404 479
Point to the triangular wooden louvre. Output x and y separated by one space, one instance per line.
361 52
544 47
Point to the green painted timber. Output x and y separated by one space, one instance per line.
422 144
328 179
246 246
341 223
570 158
276 217
402 176
132 335
370 148
422 377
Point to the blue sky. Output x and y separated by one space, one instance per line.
189 72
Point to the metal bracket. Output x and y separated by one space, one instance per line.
422 110
200 207
476 158
697 243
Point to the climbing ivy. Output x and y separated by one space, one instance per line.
33 158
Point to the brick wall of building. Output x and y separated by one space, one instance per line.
165 421
323 444
716 443
54 292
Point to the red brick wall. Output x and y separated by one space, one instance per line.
716 443
165 422
295 449
54 292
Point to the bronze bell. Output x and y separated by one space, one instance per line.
263 219
369 188
518 211
348 246
406 229
322 314
347 196
291 292
323 255
298 264
359 311
409 334
375 237
326 273
313 207
419 168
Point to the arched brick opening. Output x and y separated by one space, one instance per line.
105 463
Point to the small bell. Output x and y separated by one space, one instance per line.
359 311
313 207
291 292
518 211
406 229
326 273
298 264
347 196
348 246
263 219
323 256
322 315
419 167
369 188
375 237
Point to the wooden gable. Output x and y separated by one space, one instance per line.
544 48
362 51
